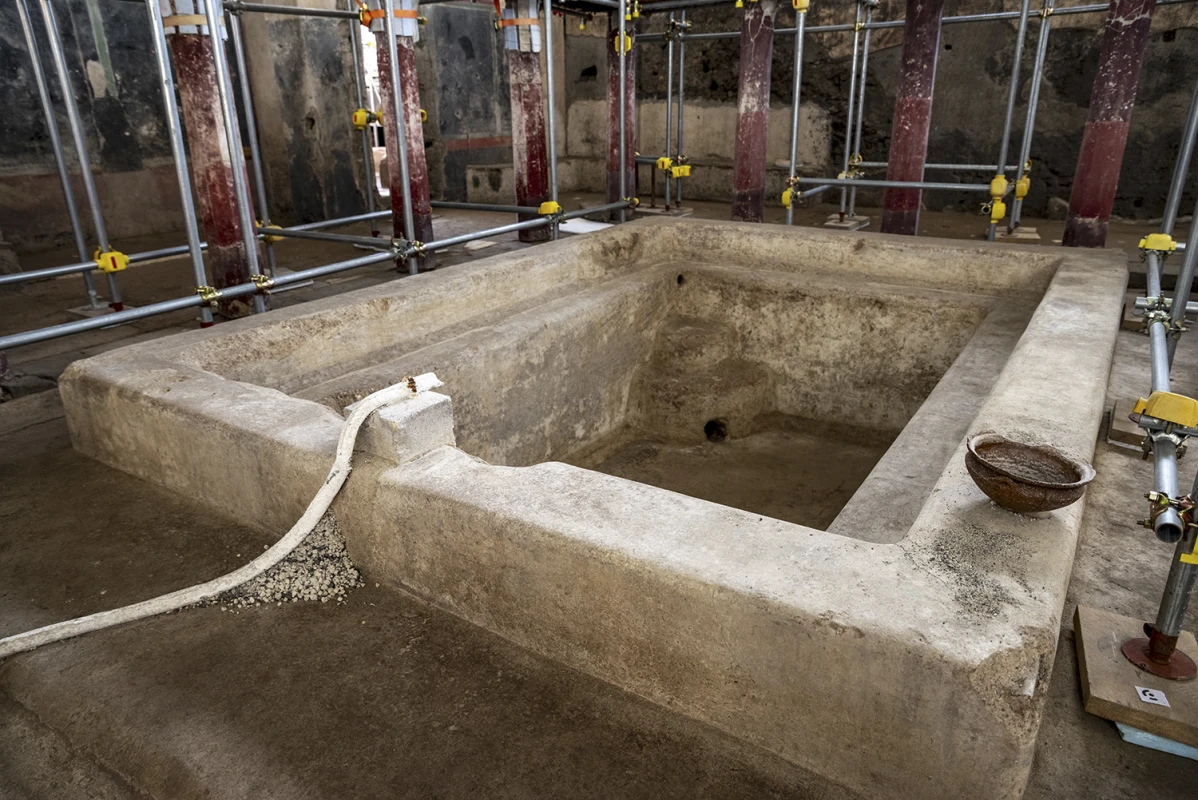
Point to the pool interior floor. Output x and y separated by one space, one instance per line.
796 470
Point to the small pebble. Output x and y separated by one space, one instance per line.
319 569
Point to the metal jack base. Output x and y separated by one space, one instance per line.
1158 655
854 223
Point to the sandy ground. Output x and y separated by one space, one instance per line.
385 696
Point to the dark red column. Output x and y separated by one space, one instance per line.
912 115
753 110
422 212
530 155
211 164
614 93
1111 100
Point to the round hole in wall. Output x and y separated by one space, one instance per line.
716 430
681 279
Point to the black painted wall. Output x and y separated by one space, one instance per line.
124 127
469 86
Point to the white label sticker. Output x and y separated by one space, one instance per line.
1154 696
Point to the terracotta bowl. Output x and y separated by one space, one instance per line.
1025 478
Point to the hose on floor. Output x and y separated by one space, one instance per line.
23 642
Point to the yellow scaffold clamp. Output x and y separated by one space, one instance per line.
363 117
549 208
267 237
208 295
1160 242
792 192
1175 409
627 43
264 283
665 164
680 170
110 260
800 6
1024 184
852 172
423 116
998 190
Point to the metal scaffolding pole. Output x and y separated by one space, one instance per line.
362 241
551 109
1157 654
681 86
174 128
1012 95
214 10
43 90
355 43
76 125
669 105
1181 170
251 127
1033 100
506 209
409 220
795 94
237 7
880 184
953 167
869 15
623 107
1167 524
1185 275
340 221
848 126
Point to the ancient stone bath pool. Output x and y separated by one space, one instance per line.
718 465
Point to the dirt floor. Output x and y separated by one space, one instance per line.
781 471
385 696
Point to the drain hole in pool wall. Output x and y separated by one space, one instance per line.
681 279
716 430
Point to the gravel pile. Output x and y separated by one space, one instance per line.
319 569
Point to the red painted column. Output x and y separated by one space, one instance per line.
211 165
614 93
422 212
530 154
912 115
753 110
1111 100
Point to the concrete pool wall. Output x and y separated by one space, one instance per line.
906 657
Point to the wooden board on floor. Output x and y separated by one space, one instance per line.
1132 320
1109 681
1122 431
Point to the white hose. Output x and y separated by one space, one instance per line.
22 642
